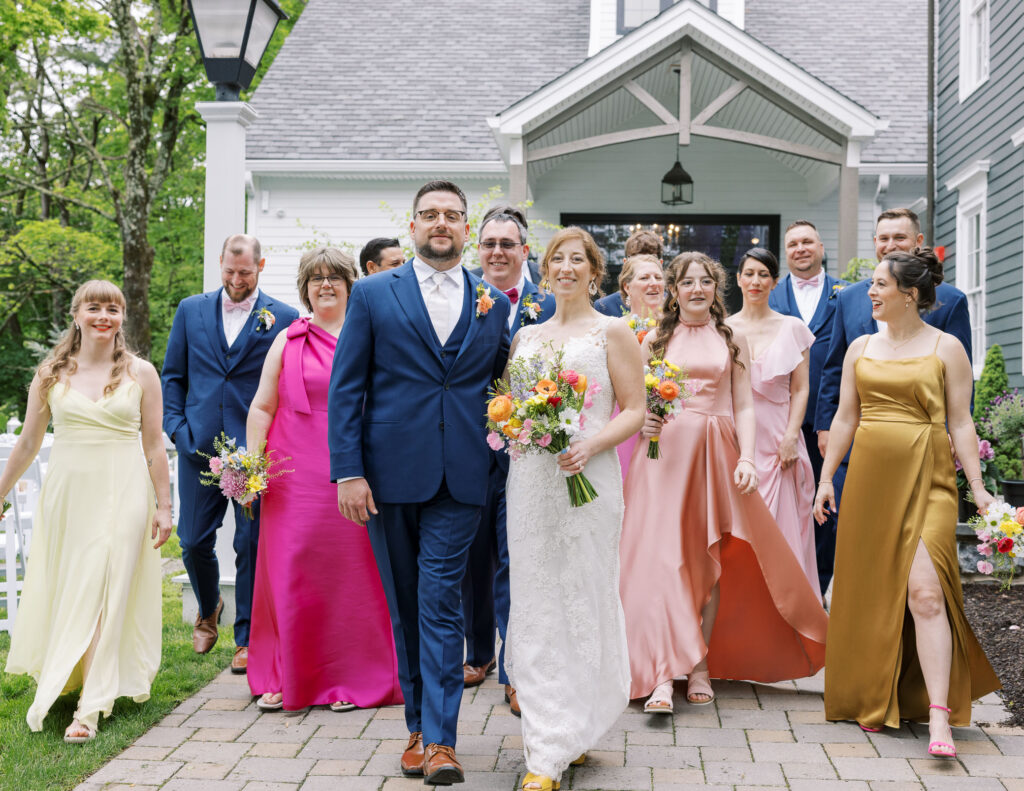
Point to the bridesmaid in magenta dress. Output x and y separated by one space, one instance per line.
642 285
709 585
779 377
321 633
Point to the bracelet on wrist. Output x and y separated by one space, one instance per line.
748 461
972 480
824 480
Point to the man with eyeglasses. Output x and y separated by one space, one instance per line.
420 347
503 253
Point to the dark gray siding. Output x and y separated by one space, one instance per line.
980 128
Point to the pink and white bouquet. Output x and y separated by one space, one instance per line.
999 532
540 409
241 475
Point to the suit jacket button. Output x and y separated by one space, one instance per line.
447 387
442 425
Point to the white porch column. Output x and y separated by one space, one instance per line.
226 123
518 179
849 195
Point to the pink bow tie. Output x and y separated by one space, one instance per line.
810 282
245 305
513 295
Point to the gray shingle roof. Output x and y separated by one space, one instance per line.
403 79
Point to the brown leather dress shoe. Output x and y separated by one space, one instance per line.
512 700
240 661
474 676
412 758
440 766
204 633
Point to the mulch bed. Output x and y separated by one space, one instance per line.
994 616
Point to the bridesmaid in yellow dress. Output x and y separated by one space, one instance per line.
90 610
896 549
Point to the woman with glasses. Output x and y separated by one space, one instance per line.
321 633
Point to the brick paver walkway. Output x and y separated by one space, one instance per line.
753 738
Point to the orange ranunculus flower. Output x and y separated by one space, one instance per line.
641 335
668 389
500 408
510 431
546 387
484 303
581 383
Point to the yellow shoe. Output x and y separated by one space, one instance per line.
534 782
579 761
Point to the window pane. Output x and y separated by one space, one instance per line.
636 12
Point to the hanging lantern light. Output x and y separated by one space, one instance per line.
676 186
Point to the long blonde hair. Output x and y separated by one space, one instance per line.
61 361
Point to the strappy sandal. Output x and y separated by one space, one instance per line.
660 701
699 683
343 705
265 704
90 733
939 749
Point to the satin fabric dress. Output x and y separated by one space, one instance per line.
686 527
92 562
900 490
320 625
788 493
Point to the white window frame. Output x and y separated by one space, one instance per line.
971 259
975 39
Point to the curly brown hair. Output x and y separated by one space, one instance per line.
61 361
670 317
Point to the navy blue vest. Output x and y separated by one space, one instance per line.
450 350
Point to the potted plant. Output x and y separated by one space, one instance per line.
987 456
1003 425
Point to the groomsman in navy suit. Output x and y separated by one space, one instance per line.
214 357
420 347
896 229
810 294
485 588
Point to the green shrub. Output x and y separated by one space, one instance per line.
1002 424
992 383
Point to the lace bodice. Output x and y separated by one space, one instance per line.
586 354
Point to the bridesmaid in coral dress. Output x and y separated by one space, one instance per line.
642 284
321 633
709 585
779 348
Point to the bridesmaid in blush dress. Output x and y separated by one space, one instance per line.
779 378
709 585
321 633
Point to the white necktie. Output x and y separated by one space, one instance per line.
437 306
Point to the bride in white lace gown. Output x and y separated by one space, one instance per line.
566 654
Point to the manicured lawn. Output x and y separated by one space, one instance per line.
30 761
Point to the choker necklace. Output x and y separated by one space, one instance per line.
905 341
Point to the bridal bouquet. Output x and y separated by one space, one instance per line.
641 326
540 410
999 533
241 475
666 390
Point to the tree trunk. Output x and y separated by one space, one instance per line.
137 258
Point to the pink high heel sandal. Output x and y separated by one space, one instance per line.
941 749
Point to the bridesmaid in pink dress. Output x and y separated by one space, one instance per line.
321 633
642 284
709 585
779 377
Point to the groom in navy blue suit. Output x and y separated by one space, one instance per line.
214 358
485 589
420 347
810 293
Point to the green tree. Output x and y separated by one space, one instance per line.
992 382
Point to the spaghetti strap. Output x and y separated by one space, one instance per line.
937 339
865 347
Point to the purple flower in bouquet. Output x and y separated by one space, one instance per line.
232 483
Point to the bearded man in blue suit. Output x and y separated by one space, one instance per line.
809 293
211 370
420 347
485 588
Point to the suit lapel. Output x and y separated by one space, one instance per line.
410 300
214 327
474 322
786 298
823 308
247 335
529 290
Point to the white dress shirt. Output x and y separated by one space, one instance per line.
442 294
807 298
234 320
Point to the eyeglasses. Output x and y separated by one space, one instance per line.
334 280
504 244
431 215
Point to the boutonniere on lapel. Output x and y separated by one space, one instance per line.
484 300
531 310
265 319
836 288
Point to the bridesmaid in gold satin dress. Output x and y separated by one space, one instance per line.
896 550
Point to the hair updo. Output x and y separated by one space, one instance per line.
763 256
920 269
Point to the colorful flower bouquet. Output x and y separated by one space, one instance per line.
666 390
540 410
242 476
999 533
641 326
